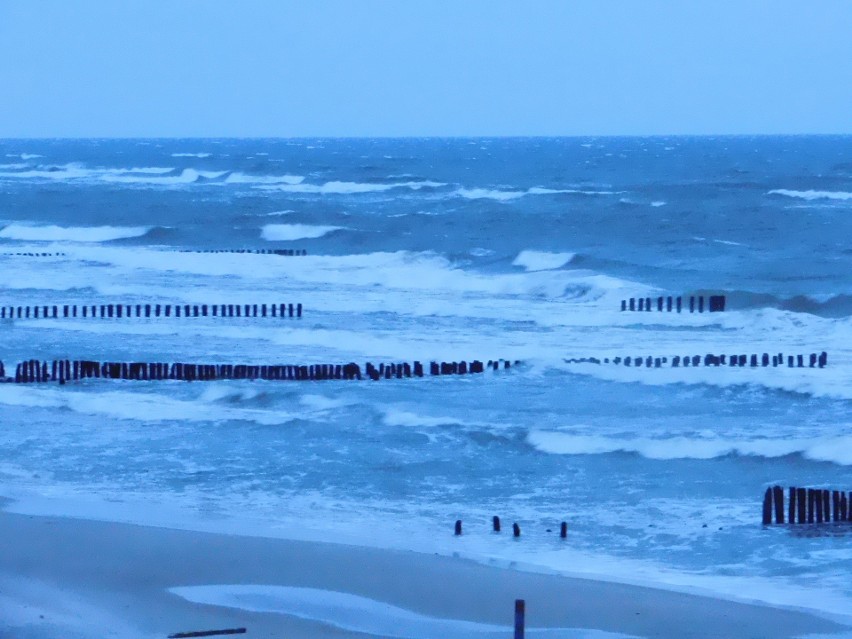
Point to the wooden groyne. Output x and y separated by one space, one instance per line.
124 311
63 371
806 506
763 360
284 252
669 304
31 254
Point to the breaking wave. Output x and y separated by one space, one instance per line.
542 261
837 450
813 195
347 188
288 232
53 233
505 196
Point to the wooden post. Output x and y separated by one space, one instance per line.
495 523
791 514
520 613
778 498
458 528
563 530
767 507
516 530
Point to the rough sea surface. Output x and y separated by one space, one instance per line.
450 249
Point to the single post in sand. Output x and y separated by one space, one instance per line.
519 617
563 530
458 529
495 523
516 530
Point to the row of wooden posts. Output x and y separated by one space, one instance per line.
287 252
814 360
150 310
496 526
715 304
19 254
807 505
62 371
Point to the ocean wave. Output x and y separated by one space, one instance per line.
134 406
395 417
505 196
244 178
813 195
542 261
836 450
832 306
24 156
187 176
53 233
191 155
348 188
289 232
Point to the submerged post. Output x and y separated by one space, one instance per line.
520 613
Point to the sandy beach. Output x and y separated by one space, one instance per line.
80 578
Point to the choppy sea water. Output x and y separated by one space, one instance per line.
447 250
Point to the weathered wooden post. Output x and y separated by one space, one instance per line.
791 514
563 530
458 527
778 498
520 613
767 507
516 530
495 523
801 498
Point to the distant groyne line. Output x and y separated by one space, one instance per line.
62 371
284 252
669 304
806 506
764 360
123 311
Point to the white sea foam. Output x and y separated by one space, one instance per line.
506 196
187 176
355 613
53 233
191 155
831 449
813 195
287 232
394 417
17 165
541 260
348 188
24 156
137 406
243 178
658 203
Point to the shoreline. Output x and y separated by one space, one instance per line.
122 572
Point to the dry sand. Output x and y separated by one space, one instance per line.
63 577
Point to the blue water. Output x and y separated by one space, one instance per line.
447 249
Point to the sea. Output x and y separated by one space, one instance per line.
502 249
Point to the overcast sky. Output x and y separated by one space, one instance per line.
417 68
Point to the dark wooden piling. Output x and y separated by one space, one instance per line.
563 530
826 504
778 499
767 507
811 502
495 523
520 613
791 514
802 499
458 527
516 530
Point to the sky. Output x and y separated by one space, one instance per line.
281 68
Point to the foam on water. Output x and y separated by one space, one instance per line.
813 195
542 261
289 232
52 233
832 449
357 613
